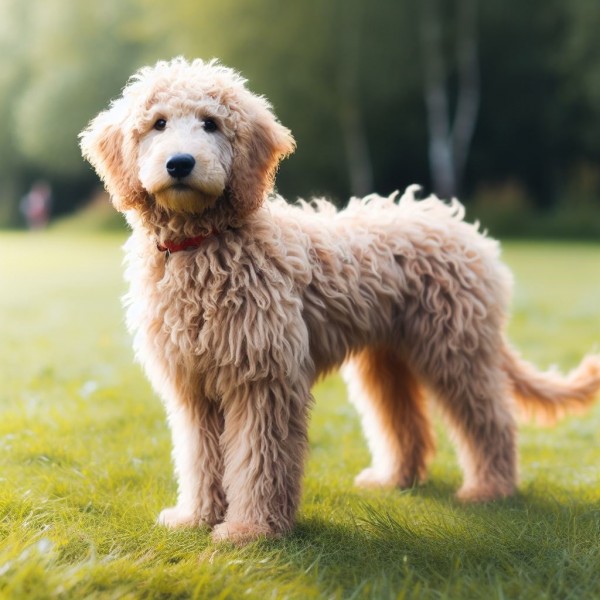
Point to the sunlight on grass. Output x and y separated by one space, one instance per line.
86 468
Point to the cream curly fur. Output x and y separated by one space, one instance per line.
233 333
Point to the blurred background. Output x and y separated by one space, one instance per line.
497 102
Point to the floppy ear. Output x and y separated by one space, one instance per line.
260 144
105 146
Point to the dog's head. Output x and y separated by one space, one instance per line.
186 136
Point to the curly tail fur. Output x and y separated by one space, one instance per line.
550 395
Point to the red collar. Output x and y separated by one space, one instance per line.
186 244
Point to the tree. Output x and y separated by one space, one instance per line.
449 137
345 76
13 16
68 79
57 71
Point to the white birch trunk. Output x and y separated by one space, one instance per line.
358 159
449 139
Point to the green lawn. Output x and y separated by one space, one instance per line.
85 461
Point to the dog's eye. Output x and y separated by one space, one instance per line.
160 124
210 125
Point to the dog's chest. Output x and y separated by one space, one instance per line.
226 313
181 306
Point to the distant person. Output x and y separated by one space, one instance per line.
36 205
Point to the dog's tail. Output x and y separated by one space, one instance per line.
550 395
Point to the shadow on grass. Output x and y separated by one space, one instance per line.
528 546
421 543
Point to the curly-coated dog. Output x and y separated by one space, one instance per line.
239 302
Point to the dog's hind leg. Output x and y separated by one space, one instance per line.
196 429
394 418
473 392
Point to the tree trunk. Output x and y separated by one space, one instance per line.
449 139
467 107
358 159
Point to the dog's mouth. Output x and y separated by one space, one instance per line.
182 187
188 188
182 197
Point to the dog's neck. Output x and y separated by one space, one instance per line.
174 228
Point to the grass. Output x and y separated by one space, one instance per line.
85 465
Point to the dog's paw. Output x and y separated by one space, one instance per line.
370 478
176 517
484 493
241 533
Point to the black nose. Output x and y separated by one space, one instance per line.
180 165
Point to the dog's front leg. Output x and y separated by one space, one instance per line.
196 430
264 443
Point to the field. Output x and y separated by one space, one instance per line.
85 464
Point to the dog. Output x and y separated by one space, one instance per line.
239 301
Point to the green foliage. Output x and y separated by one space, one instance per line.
68 77
508 212
62 62
331 69
96 216
84 461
